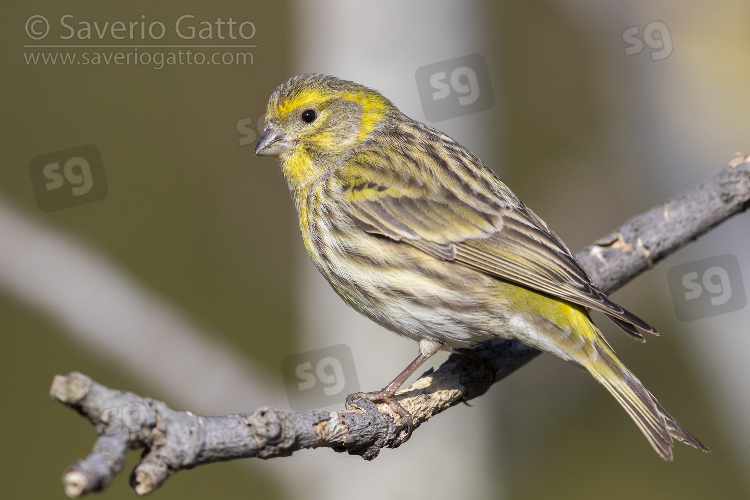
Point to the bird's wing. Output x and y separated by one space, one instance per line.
501 238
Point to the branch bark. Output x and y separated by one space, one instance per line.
175 440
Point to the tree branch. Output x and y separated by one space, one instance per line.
175 440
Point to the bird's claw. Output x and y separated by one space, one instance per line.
383 397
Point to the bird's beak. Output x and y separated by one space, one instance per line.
272 143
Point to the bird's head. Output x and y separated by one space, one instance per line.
314 122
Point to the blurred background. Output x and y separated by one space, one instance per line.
144 245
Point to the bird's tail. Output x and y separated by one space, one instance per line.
657 425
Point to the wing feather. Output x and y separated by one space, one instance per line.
496 235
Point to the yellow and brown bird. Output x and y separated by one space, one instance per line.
416 233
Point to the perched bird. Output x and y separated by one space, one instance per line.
416 233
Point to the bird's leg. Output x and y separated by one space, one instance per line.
386 395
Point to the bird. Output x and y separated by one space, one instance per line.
416 233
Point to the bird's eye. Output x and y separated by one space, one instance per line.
309 115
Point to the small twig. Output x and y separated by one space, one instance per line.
176 440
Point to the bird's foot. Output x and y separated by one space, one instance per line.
386 396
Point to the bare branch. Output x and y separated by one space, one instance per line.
175 440
646 239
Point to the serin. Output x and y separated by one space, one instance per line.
416 233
